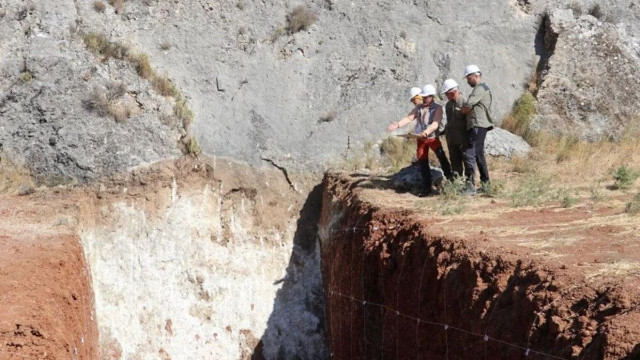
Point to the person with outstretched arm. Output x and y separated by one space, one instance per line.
428 116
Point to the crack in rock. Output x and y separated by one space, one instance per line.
284 172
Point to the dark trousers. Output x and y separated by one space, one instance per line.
474 154
456 155
425 171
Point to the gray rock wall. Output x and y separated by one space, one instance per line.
298 100
258 97
589 87
48 78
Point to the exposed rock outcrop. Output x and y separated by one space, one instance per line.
589 87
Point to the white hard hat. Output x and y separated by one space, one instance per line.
428 90
449 84
471 69
414 91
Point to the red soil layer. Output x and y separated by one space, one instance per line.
46 303
385 267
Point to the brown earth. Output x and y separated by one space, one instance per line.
560 283
46 303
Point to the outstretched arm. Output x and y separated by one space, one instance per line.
404 121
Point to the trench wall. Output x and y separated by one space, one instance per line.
199 268
396 290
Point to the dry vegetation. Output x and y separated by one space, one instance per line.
299 19
113 101
98 44
99 6
118 5
14 179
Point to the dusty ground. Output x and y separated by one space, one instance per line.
561 281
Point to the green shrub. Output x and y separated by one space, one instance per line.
451 190
491 189
633 206
532 191
299 19
568 201
519 119
624 177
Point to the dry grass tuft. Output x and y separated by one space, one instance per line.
328 117
183 113
193 148
397 152
26 76
618 268
98 44
118 5
633 206
113 101
14 179
299 19
99 6
143 66
576 162
165 87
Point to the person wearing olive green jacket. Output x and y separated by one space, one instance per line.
479 122
456 129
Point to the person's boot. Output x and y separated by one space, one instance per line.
444 163
469 189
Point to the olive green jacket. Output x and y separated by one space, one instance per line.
456 130
480 101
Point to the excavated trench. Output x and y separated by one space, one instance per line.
399 287
192 260
178 260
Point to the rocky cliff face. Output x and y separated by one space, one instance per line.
588 86
262 92
65 113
